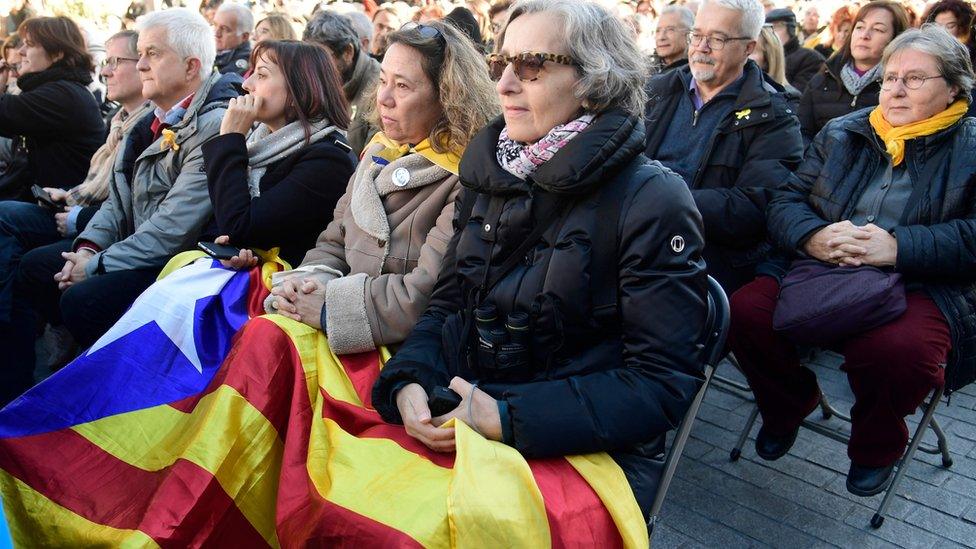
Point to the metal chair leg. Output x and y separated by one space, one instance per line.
942 442
737 451
878 519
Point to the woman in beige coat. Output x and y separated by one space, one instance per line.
372 271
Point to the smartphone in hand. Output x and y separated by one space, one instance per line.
219 251
45 199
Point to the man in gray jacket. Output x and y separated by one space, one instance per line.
158 204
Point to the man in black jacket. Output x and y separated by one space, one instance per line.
233 24
801 63
728 130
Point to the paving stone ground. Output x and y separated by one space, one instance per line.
801 500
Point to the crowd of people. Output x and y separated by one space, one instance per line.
523 200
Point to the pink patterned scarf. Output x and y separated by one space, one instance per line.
523 160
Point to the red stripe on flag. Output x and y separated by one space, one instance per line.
577 516
257 292
362 370
179 506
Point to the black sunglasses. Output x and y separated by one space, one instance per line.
426 32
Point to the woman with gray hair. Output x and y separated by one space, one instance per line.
567 237
884 203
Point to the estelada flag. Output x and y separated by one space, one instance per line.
173 431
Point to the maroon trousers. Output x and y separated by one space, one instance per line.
891 370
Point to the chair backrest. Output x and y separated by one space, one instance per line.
712 350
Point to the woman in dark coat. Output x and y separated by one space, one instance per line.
54 121
279 186
848 81
604 308
893 188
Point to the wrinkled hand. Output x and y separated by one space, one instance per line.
411 400
240 115
73 271
56 194
243 260
61 220
301 300
834 242
484 410
878 248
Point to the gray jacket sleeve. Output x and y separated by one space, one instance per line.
107 225
173 227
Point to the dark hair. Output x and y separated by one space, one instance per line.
962 10
333 31
312 80
899 22
58 35
464 20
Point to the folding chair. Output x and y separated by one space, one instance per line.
713 349
828 411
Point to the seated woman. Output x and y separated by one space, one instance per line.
578 336
274 26
369 276
771 59
889 187
276 186
54 120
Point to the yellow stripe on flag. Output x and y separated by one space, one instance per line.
224 435
36 521
608 481
494 500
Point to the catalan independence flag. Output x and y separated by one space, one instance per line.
191 423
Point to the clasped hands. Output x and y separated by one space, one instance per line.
477 409
846 244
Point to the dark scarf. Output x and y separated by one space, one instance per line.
54 73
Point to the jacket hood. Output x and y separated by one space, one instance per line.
217 88
611 142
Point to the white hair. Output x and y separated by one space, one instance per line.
361 24
245 19
753 14
685 15
188 33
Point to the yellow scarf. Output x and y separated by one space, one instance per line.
392 150
894 138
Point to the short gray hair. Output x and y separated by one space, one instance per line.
188 33
361 24
951 56
685 15
245 19
131 38
612 70
332 30
753 14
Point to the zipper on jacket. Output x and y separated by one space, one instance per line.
854 101
694 118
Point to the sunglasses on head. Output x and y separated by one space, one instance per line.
426 32
527 65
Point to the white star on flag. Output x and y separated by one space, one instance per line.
171 304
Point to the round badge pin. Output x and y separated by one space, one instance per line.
401 177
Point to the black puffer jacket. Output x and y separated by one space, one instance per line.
936 236
826 98
801 64
594 382
748 155
56 123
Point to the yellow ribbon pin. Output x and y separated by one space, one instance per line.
169 141
744 113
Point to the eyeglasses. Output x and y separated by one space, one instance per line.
527 65
113 62
912 81
426 32
669 31
714 43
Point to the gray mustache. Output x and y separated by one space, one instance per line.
702 60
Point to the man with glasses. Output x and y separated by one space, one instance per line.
728 130
671 37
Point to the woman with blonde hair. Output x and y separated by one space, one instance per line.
275 26
770 57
